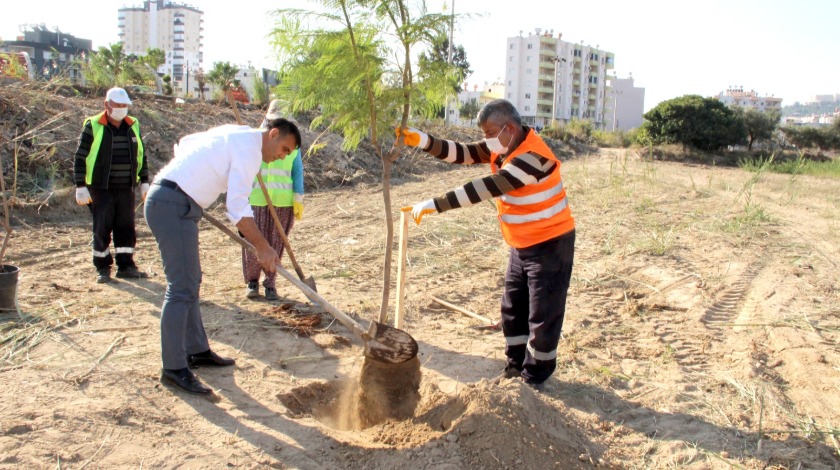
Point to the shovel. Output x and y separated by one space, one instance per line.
307 280
382 343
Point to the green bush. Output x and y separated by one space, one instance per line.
575 130
613 139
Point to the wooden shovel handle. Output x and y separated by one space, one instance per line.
307 291
280 227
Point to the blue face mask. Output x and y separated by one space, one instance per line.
494 144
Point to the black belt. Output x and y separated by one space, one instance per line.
169 184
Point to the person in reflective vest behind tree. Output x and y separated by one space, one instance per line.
110 162
284 180
535 220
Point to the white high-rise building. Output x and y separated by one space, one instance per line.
546 76
175 28
625 105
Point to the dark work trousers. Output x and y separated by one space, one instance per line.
534 304
113 211
173 218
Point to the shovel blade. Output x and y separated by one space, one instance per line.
309 281
388 344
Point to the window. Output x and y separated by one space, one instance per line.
530 46
527 108
527 58
510 82
527 96
511 58
528 71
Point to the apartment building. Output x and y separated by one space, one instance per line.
477 95
736 96
53 54
625 105
175 28
547 78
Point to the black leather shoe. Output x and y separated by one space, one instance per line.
209 359
103 276
185 380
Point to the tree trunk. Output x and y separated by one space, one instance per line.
389 237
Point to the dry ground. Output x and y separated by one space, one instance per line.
702 332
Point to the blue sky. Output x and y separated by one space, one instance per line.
672 48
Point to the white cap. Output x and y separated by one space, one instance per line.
118 95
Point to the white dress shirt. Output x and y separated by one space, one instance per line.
222 159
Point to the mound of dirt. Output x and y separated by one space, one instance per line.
485 425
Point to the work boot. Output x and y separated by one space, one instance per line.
253 290
271 294
510 372
103 275
131 272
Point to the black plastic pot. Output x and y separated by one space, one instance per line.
8 287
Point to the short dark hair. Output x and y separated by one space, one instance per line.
285 127
500 112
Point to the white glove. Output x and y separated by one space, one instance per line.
420 209
83 196
144 189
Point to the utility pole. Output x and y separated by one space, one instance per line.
449 61
615 106
557 61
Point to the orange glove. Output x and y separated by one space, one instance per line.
413 137
420 209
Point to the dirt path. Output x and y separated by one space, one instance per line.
702 332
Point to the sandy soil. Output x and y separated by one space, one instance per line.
702 332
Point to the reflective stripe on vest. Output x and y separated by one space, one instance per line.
97 125
277 177
535 212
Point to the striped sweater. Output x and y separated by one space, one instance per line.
525 169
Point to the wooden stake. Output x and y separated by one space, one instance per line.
398 315
464 311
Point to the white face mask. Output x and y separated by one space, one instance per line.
118 114
494 144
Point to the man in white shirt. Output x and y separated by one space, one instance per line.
207 164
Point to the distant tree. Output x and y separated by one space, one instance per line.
223 75
759 125
111 66
436 59
154 58
469 110
805 137
262 94
201 80
695 121
167 85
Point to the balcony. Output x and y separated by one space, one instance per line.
544 102
545 89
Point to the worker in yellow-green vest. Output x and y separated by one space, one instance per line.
109 163
284 180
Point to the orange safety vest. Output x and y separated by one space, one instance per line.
535 212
